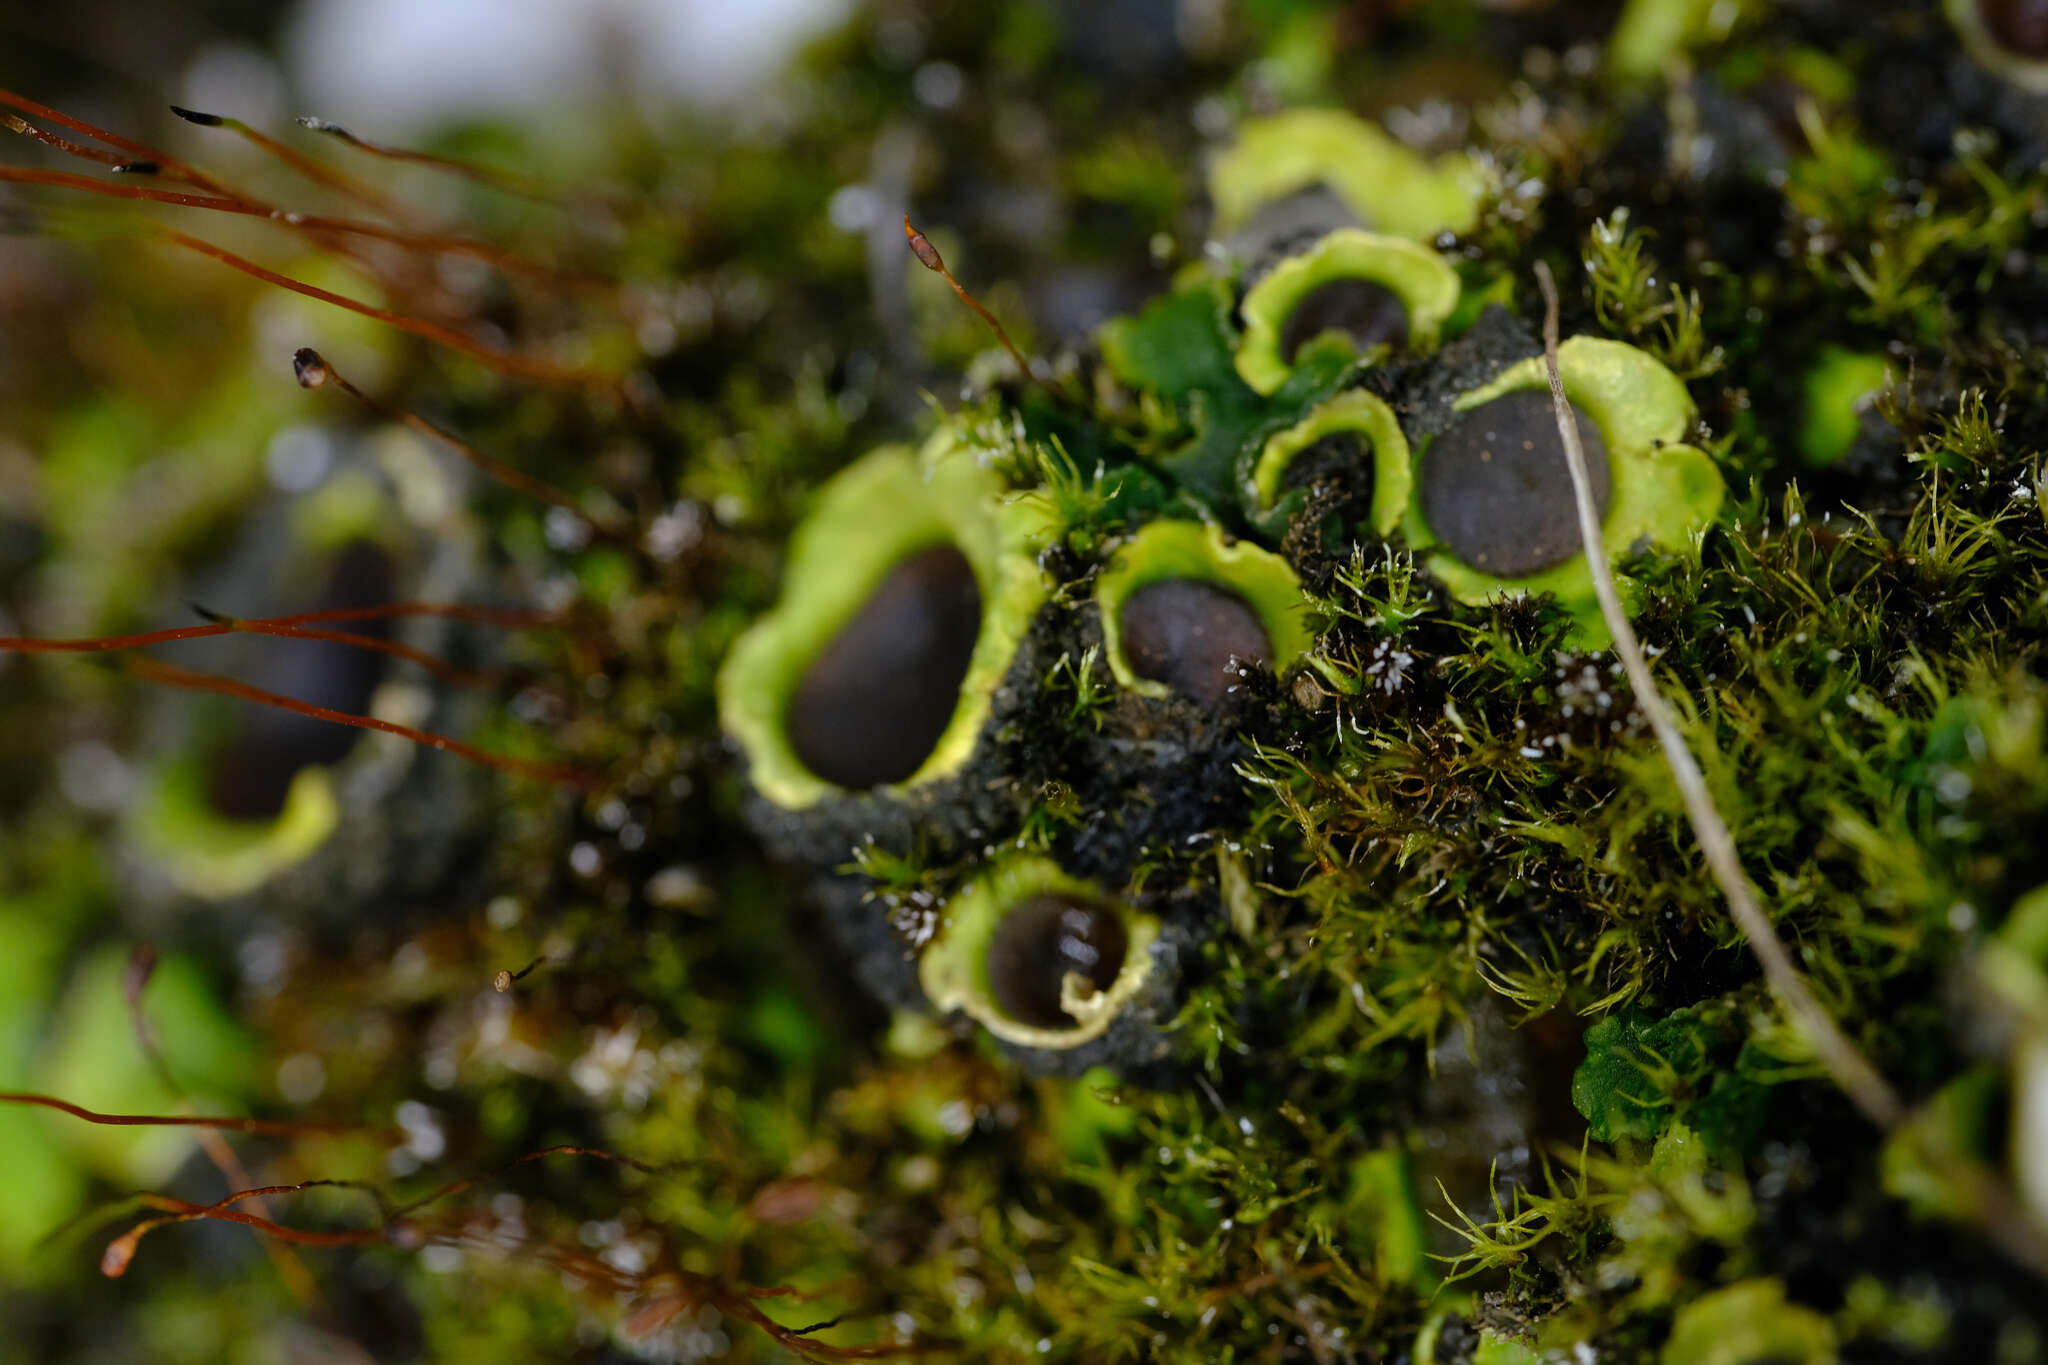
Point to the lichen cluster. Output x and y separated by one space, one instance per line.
1155 858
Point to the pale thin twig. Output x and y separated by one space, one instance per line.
1851 1070
1870 1092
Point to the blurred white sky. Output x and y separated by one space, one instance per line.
417 62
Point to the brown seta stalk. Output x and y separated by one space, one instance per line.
313 169
313 371
1845 1064
509 182
295 625
135 984
332 233
226 1123
535 368
663 1292
928 257
313 223
170 675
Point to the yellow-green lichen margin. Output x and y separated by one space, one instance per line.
1989 53
1424 282
1164 550
1662 490
1391 187
889 504
1651 34
1393 472
954 967
1748 1321
215 858
1841 384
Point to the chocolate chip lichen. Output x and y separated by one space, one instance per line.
1373 294
2020 26
1185 614
1370 315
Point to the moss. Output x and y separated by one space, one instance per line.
1412 899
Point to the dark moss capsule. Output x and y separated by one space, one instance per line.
1494 503
1496 486
871 707
1183 612
1043 939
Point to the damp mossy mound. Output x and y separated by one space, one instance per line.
1448 1050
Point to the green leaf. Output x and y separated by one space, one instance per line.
1177 344
1636 1071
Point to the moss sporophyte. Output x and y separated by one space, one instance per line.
1149 856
